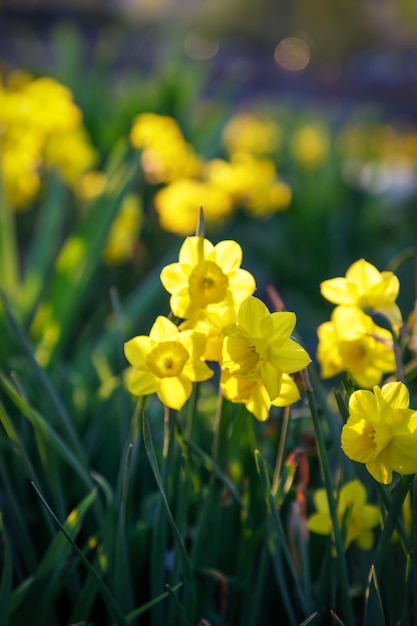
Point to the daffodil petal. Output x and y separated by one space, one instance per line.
290 357
335 290
163 330
228 255
174 392
271 378
137 349
194 250
396 394
141 383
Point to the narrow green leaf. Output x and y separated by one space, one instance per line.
105 593
149 605
183 556
6 577
211 466
179 609
38 422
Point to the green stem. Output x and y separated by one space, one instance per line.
281 449
328 483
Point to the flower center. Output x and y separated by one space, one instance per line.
207 284
354 354
167 359
243 355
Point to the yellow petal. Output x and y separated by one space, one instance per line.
289 392
363 403
271 378
289 357
320 523
137 349
228 255
252 316
335 290
194 250
396 395
141 383
173 277
174 392
163 330
363 274
283 324
358 440
197 371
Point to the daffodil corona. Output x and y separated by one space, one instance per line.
167 362
381 431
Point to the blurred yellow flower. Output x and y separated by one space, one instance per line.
40 125
351 342
165 155
250 133
178 205
366 288
310 145
253 394
124 232
251 182
352 509
71 153
258 346
381 431
166 362
206 275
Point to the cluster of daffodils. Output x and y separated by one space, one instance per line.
381 429
40 127
247 178
220 322
351 341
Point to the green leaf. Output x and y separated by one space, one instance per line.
108 598
6 577
183 556
47 578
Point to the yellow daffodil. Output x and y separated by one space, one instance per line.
178 205
351 342
206 275
366 288
251 182
352 510
253 394
166 155
167 362
381 431
258 346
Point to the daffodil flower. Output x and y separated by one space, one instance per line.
381 431
253 394
166 362
366 288
351 342
206 275
258 346
352 510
